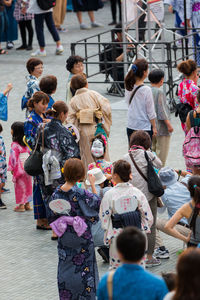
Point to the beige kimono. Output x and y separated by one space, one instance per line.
88 99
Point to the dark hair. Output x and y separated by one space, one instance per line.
37 97
188 275
18 132
32 63
198 96
48 84
72 60
131 243
74 170
194 189
123 169
141 65
1 128
187 67
156 75
57 108
170 280
140 138
78 81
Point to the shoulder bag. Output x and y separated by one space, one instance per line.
33 164
134 92
153 181
110 284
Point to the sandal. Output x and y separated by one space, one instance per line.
28 207
43 227
2 51
19 209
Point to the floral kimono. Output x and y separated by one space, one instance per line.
77 268
121 199
105 166
22 181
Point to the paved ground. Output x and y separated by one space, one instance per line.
28 258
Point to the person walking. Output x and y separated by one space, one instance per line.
59 12
40 17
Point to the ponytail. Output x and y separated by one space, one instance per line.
194 188
137 71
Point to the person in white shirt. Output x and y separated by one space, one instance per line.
141 111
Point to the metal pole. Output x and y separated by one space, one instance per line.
186 29
149 35
124 18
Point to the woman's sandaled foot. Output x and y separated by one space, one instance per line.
2 51
19 208
28 207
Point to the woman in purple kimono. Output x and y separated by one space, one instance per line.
77 268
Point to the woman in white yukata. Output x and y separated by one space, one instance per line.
123 199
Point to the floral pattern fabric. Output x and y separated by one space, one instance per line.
187 92
22 181
105 166
3 165
77 268
108 208
18 14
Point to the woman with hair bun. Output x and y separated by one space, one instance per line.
63 146
141 111
187 90
190 211
37 105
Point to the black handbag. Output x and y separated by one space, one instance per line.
153 181
33 164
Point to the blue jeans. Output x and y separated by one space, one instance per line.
39 27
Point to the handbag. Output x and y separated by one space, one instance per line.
153 181
33 164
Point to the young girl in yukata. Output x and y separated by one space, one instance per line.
77 268
121 199
98 150
22 181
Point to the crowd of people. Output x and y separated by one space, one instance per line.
59 158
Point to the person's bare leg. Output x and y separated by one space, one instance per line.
91 16
79 17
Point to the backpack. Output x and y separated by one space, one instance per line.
46 4
182 110
191 145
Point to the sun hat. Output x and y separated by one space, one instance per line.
168 176
98 174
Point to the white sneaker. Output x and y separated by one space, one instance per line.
84 27
59 50
161 253
39 53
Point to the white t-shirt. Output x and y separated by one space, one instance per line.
141 110
35 9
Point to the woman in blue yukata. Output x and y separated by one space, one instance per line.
77 268
38 105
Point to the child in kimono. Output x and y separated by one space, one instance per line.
22 181
98 149
3 167
121 199
77 268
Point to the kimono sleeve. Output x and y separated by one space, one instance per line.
146 214
89 204
12 160
3 107
29 132
72 113
105 211
68 147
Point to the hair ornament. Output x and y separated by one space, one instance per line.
134 68
194 186
104 139
53 109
